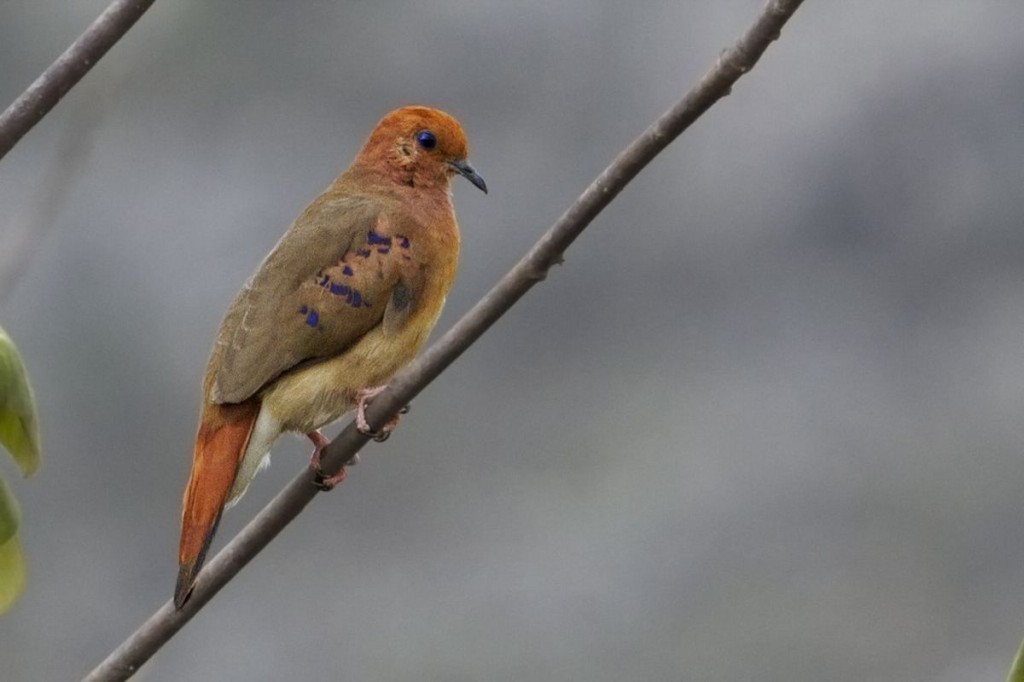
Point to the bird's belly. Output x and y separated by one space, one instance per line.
316 395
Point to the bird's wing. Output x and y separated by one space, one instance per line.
327 282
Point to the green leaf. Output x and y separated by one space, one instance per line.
1017 671
19 432
12 564
9 513
12 573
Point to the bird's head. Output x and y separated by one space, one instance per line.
419 147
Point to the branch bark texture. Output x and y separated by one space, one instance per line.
63 74
531 269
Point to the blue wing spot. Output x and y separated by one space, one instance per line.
383 249
372 238
313 318
403 241
323 282
353 296
347 271
303 310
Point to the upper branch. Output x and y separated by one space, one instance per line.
69 68
733 63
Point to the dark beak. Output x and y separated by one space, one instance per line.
463 168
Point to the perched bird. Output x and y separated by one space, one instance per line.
343 301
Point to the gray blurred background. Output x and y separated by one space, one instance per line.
765 424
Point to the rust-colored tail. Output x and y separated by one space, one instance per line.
220 444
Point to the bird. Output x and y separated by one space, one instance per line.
342 302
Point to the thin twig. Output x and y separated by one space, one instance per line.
732 64
69 68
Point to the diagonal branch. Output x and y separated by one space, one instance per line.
69 68
532 268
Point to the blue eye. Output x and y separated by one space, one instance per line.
426 139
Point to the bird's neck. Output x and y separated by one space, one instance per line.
393 177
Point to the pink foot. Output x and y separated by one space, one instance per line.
363 396
325 483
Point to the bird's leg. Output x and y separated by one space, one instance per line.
363 396
325 483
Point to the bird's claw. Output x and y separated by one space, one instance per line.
322 481
378 436
363 426
325 483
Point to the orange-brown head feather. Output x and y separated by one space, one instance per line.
419 147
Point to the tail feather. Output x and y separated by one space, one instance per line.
188 570
224 432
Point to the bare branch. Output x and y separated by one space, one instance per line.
732 64
69 68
